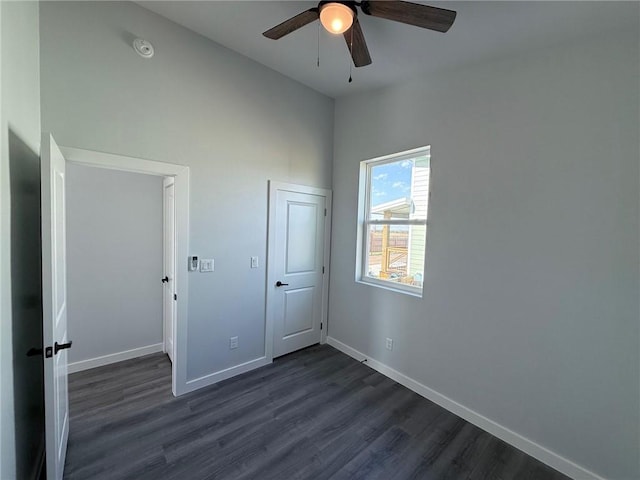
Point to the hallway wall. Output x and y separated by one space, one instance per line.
114 261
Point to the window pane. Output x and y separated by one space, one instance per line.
396 253
399 190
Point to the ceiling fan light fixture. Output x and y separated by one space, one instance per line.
336 17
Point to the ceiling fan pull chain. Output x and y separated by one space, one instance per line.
318 64
351 55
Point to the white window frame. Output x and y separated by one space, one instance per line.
364 205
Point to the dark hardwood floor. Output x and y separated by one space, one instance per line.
314 414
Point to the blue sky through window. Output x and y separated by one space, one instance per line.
390 181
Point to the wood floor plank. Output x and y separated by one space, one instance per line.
314 414
375 461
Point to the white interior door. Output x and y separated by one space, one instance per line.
297 292
54 302
169 265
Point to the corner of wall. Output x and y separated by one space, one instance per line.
7 442
20 112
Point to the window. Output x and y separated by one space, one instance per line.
394 196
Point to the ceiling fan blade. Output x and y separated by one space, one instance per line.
433 18
293 24
358 49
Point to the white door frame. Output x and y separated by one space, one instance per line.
168 327
274 187
181 176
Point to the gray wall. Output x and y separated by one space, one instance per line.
114 261
21 396
235 123
530 310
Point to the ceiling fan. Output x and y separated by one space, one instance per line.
341 17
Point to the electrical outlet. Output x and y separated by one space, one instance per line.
389 343
254 262
233 343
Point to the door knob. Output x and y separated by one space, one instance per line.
280 284
165 279
60 346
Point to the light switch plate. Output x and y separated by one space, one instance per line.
206 265
254 262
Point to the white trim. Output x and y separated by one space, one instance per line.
391 286
292 187
121 162
327 262
168 182
397 222
404 155
530 447
114 358
273 188
181 175
216 377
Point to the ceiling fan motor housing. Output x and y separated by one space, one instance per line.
351 5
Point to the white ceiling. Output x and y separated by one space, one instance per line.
482 31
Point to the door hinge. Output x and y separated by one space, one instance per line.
320 325
323 270
175 297
325 212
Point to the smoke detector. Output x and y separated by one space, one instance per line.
143 48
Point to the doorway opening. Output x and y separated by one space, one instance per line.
119 242
174 240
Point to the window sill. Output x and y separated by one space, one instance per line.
412 292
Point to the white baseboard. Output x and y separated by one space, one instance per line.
216 377
539 452
114 357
